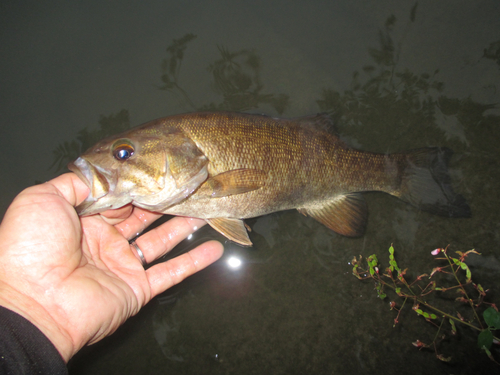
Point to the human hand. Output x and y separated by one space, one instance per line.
78 279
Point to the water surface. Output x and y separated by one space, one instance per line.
395 75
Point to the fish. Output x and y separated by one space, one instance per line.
225 167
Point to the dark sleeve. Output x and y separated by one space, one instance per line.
24 349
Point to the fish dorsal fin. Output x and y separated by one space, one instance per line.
346 214
233 229
233 182
321 121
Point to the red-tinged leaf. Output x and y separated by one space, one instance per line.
479 289
444 359
453 327
434 270
419 344
490 356
472 252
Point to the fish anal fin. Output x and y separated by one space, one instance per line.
345 214
233 229
233 182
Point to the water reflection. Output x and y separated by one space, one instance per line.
493 52
234 262
236 76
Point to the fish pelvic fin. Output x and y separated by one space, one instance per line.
345 214
426 184
233 229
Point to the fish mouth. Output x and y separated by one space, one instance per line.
97 183
81 169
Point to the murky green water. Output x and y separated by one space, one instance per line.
395 76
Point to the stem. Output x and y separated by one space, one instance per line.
185 95
435 309
444 314
439 329
422 302
463 290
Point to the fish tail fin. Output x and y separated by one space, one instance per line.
426 184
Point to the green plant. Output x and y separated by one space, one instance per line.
454 269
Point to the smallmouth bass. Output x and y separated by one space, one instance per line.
225 167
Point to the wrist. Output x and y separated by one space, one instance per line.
34 312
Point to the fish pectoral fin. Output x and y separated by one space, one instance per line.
233 229
237 181
346 214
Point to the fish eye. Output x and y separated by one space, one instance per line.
122 150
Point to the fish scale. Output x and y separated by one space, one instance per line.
224 167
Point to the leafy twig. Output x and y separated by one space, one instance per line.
395 279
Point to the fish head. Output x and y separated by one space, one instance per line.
144 167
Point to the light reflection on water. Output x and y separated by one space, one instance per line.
293 305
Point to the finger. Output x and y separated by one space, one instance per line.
136 222
118 215
161 240
68 185
165 275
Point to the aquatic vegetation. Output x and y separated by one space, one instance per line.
385 96
457 276
493 52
